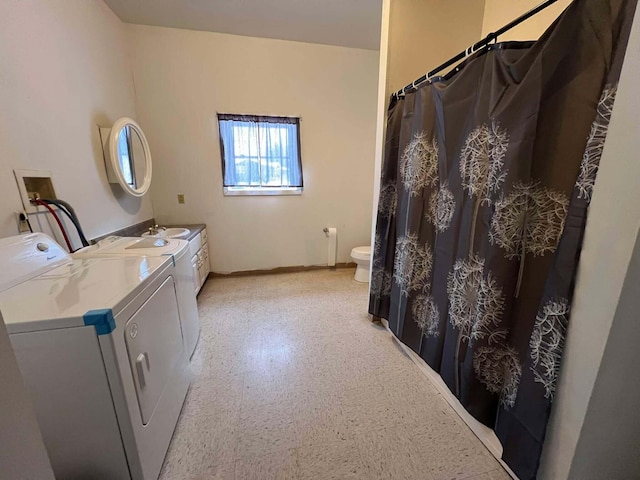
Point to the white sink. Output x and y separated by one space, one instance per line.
169 233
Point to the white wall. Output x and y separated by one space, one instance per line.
381 111
498 13
612 229
65 69
22 452
610 435
184 77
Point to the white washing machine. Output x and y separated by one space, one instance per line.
99 345
150 246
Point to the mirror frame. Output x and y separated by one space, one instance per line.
114 136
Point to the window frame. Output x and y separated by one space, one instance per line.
256 190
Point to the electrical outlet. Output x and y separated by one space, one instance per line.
23 222
181 198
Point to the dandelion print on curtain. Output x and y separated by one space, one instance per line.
486 181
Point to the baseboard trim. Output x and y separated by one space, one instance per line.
272 271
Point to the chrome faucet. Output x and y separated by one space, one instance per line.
155 229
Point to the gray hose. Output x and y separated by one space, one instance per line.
68 206
69 212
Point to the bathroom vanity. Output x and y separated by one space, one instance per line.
199 251
198 246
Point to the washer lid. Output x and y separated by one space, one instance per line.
27 256
61 297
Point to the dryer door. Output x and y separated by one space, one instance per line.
154 345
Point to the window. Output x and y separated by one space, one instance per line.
124 147
260 155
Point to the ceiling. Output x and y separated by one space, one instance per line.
346 23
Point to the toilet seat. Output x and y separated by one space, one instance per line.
361 253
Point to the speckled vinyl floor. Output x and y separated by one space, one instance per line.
292 381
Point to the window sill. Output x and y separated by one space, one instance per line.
252 191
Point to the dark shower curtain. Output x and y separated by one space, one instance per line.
486 183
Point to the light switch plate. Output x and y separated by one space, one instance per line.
181 198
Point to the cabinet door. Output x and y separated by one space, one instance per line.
196 273
207 267
203 274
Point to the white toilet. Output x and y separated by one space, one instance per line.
362 257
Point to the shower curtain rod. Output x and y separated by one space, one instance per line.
475 47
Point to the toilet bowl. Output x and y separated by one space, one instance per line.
362 257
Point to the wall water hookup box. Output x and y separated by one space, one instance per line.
32 182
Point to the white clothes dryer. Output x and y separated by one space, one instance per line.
149 246
100 349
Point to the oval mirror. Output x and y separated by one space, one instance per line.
130 157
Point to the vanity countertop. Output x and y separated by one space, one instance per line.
140 228
195 228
